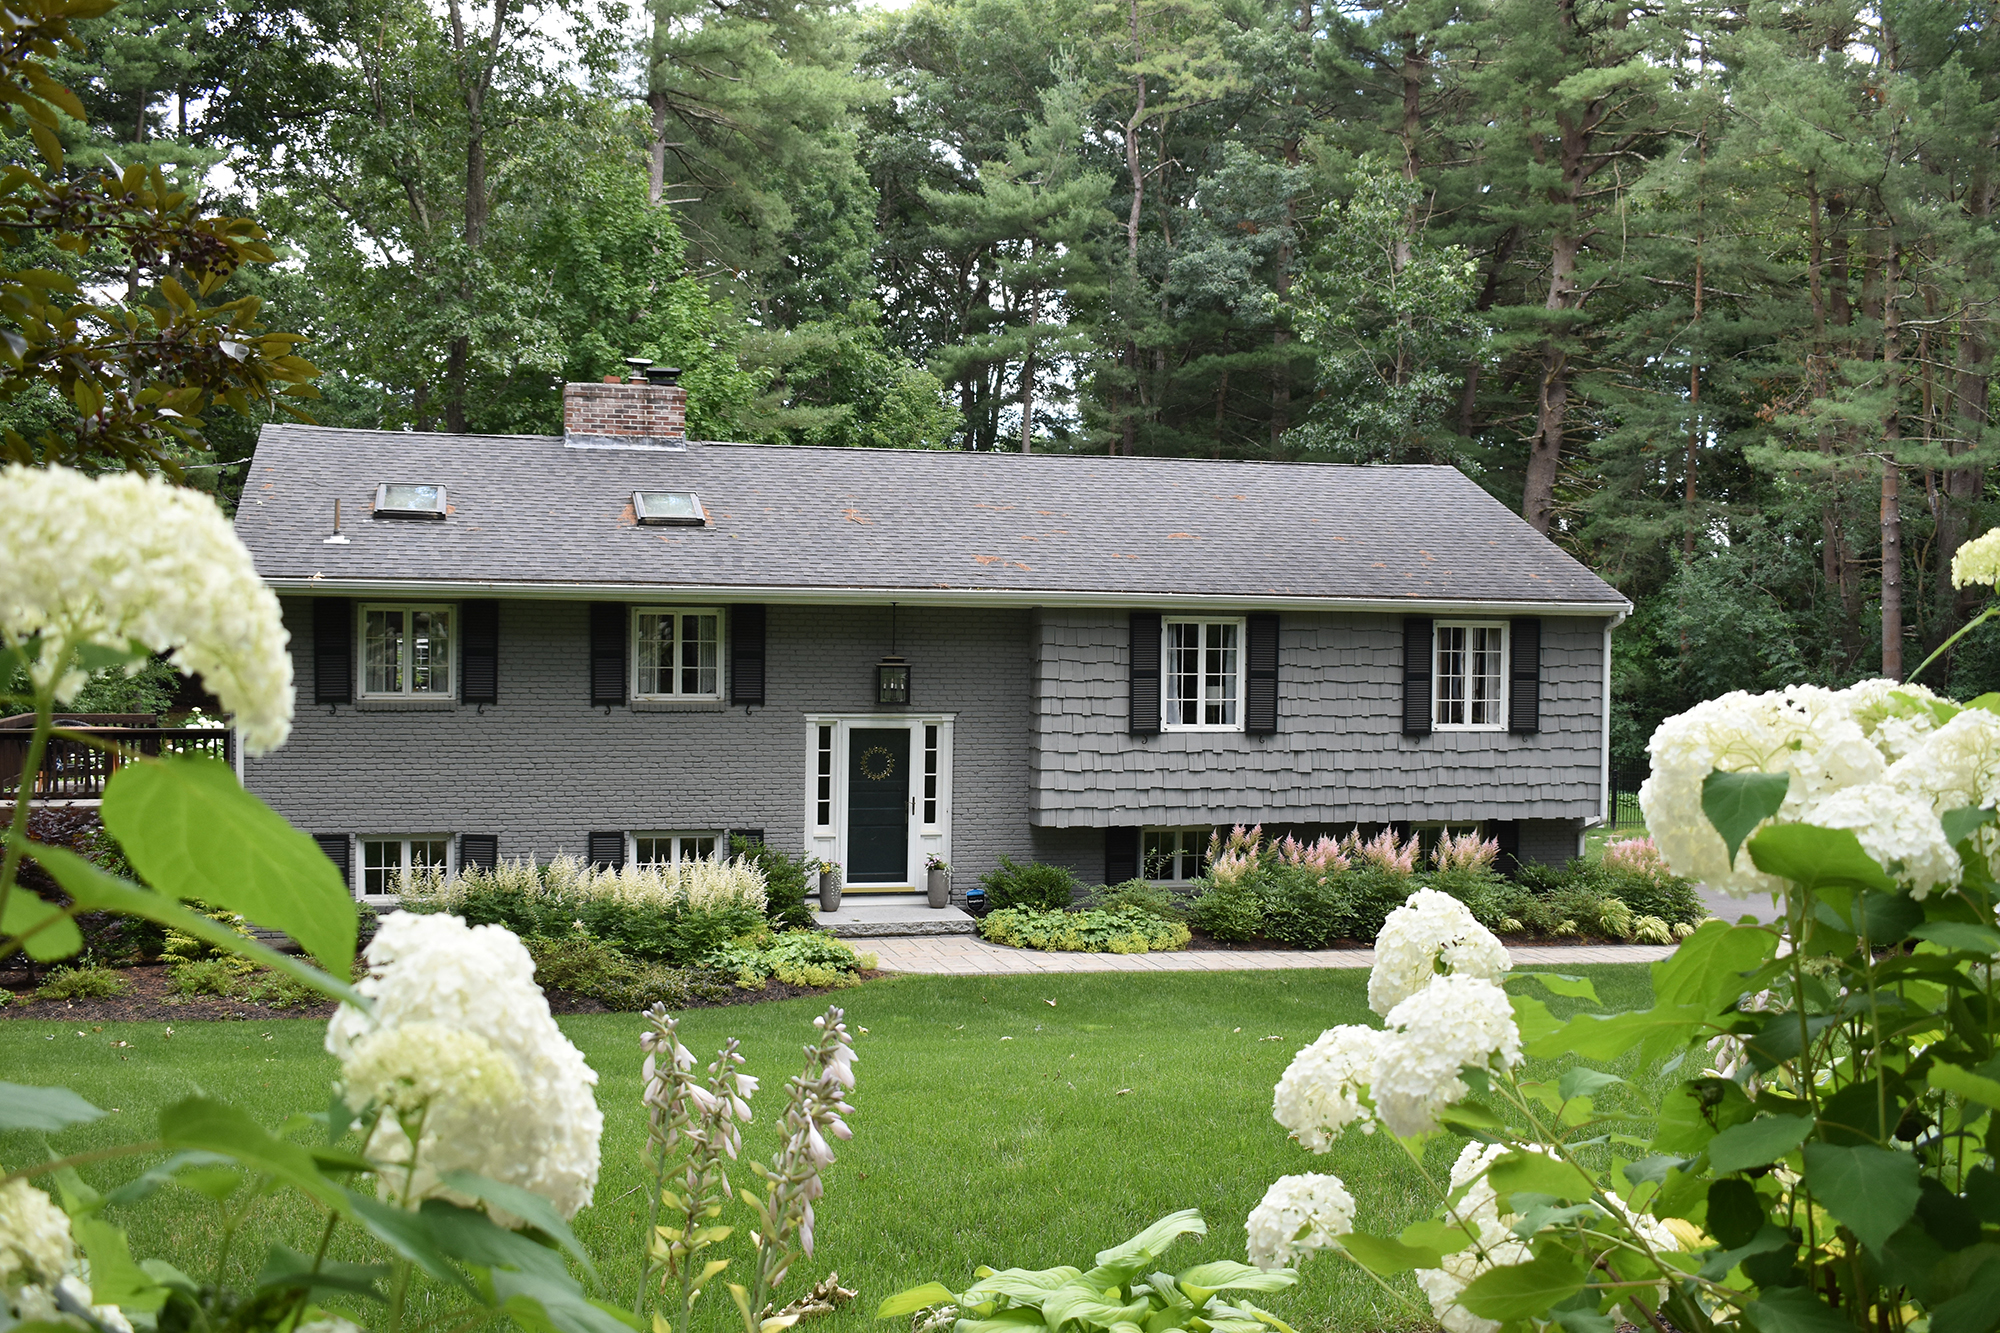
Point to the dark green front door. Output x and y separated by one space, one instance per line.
878 806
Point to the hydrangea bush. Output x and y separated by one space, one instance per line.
1826 1157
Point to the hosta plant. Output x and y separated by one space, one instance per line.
1122 1292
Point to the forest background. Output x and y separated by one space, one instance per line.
1705 290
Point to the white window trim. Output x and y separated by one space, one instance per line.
1506 675
1206 831
1167 623
828 842
721 614
632 842
361 690
361 842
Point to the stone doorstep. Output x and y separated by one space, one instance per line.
892 916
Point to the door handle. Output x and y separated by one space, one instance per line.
913 805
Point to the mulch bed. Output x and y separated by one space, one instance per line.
148 1000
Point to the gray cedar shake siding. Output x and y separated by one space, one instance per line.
1015 579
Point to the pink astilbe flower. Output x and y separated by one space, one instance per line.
1637 855
1385 851
1323 857
1467 851
1232 858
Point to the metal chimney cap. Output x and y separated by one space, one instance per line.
664 375
638 363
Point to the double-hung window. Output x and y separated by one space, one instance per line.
406 651
659 849
1204 670
387 864
1173 855
1469 674
677 652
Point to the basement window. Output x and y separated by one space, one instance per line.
669 508
402 500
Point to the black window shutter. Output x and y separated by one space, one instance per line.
339 849
478 851
607 850
1507 832
1145 661
1121 854
607 654
333 650
746 654
479 652
753 836
1260 704
1416 675
1524 696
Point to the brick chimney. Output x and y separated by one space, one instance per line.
646 411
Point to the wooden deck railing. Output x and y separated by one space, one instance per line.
74 770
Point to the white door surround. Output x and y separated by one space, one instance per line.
930 788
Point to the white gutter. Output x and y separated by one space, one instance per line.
1604 739
851 596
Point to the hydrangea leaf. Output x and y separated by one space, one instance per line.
210 1126
1709 966
1962 823
1795 1310
46 1109
1538 1173
1818 858
1872 1191
1757 1142
1965 1083
1558 984
114 1278
1386 1258
537 1211
193 832
1583 1081
1519 1291
45 930
1607 1036
1737 803
1963 936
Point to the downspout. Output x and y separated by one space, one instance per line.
1604 738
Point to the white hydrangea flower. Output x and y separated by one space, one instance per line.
1497 1247
35 1245
1320 1092
1297 1216
1894 716
1978 561
1453 1022
1803 730
470 993
124 559
1897 828
1479 1202
1429 928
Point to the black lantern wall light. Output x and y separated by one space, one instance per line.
892 673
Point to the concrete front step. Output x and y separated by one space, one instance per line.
893 914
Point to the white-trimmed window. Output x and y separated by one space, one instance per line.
1203 661
1470 676
406 651
662 849
676 652
1173 855
385 861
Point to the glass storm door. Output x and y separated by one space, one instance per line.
878 806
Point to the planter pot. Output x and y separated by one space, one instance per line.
829 891
938 885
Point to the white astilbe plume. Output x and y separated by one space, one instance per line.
467 994
1453 1022
123 560
1897 828
1297 1216
1320 1092
1805 731
1978 561
1428 929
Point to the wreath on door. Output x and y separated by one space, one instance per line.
877 764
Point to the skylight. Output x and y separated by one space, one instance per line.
400 500
675 508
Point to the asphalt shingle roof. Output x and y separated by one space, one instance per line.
527 511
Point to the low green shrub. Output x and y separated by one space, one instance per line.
81 983
1126 930
1304 907
1230 910
224 975
592 968
1153 899
787 880
1036 884
795 957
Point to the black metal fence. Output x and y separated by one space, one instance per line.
1625 797
76 770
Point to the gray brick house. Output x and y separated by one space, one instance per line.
625 644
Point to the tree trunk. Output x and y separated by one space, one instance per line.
1892 476
1538 495
473 64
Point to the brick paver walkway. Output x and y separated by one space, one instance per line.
969 956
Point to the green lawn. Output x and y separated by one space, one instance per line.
990 1126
